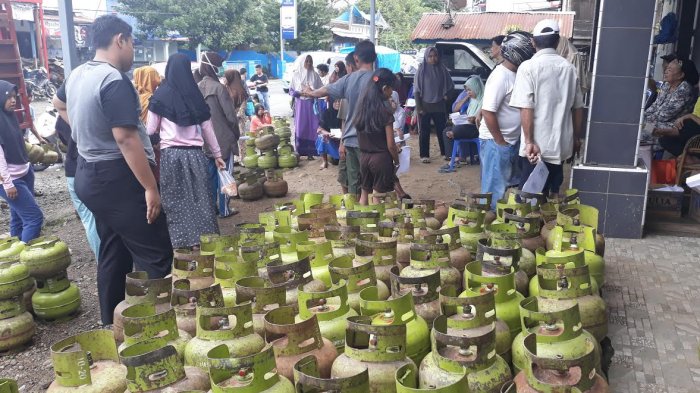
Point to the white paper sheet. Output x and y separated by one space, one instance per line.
404 160
535 183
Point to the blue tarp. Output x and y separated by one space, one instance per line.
386 57
248 59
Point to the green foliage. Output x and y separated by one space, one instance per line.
402 17
314 16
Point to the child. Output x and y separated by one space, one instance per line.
16 173
375 134
260 120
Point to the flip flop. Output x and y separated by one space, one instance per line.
425 160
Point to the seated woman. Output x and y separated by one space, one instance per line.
676 98
326 145
260 120
674 139
474 88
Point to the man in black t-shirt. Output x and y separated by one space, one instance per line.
260 80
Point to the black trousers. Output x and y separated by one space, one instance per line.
116 198
554 179
676 144
440 120
462 131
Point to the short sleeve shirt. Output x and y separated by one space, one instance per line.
549 85
497 94
261 79
374 141
350 87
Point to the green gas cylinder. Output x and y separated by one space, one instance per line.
16 324
332 315
217 244
320 255
292 276
143 322
357 279
507 298
152 367
582 215
379 349
14 279
140 289
398 311
342 203
195 266
459 255
407 382
255 373
342 239
288 239
87 362
480 201
10 248
264 297
368 247
261 254
401 230
499 257
308 380
56 298
229 268
250 232
424 290
185 301
8 386
527 229
45 257
559 334
486 371
569 258
232 326
427 257
367 221
580 237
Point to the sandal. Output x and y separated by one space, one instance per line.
425 160
448 158
446 166
446 170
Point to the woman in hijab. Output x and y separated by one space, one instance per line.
179 113
305 120
146 80
339 71
224 117
474 88
431 86
16 173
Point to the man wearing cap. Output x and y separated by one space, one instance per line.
499 133
548 93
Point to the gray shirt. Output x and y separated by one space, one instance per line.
99 97
349 87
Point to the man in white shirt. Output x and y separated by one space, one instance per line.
548 93
500 129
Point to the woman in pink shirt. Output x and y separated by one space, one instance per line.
260 119
179 113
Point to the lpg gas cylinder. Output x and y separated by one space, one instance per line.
292 276
507 298
314 223
499 257
550 375
424 290
427 257
142 322
311 199
561 287
14 279
342 204
16 324
459 255
229 268
471 228
471 316
569 258
194 266
391 203
140 289
427 206
320 255
325 212
582 215
368 247
378 208
441 211
45 257
379 349
217 244
559 334
509 231
293 341
357 278
307 379
407 382
580 237
56 298
262 254
255 373
8 386
401 231
274 219
331 309
263 296
342 239
87 362
288 239
512 206
486 371
185 301
231 326
527 229
154 368
481 202
251 232
10 248
398 311
367 221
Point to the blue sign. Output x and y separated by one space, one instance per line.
288 19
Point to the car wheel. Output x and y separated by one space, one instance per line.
286 91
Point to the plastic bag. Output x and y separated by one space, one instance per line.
249 108
227 183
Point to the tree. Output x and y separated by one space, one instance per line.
313 19
402 17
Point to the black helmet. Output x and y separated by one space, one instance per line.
517 47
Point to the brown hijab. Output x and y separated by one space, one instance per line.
146 80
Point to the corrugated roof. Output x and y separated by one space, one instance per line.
484 25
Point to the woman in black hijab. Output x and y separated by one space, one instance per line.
179 113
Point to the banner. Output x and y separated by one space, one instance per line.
288 19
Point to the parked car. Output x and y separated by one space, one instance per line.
319 57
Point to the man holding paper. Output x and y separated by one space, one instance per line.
548 93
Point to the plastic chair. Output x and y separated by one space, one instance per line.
457 150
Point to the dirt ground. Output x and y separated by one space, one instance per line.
32 367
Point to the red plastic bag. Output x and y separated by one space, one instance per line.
663 172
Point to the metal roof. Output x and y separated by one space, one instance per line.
484 25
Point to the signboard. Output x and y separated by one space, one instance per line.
53 30
288 19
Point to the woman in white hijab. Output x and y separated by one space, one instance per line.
305 117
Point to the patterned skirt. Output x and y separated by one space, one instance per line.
186 195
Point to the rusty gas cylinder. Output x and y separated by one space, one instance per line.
262 254
140 289
459 255
424 290
331 309
357 279
154 368
194 266
292 276
382 253
499 257
255 373
185 302
293 341
407 382
142 322
480 201
229 268
403 233
366 220
426 257
307 379
342 239
527 228
264 297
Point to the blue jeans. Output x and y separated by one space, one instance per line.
220 198
264 99
26 217
86 218
498 168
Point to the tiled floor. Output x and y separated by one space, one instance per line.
653 294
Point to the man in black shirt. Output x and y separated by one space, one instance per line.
260 80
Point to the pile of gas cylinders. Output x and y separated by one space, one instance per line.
274 146
325 295
33 279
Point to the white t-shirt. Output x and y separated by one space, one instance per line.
496 99
399 114
548 83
